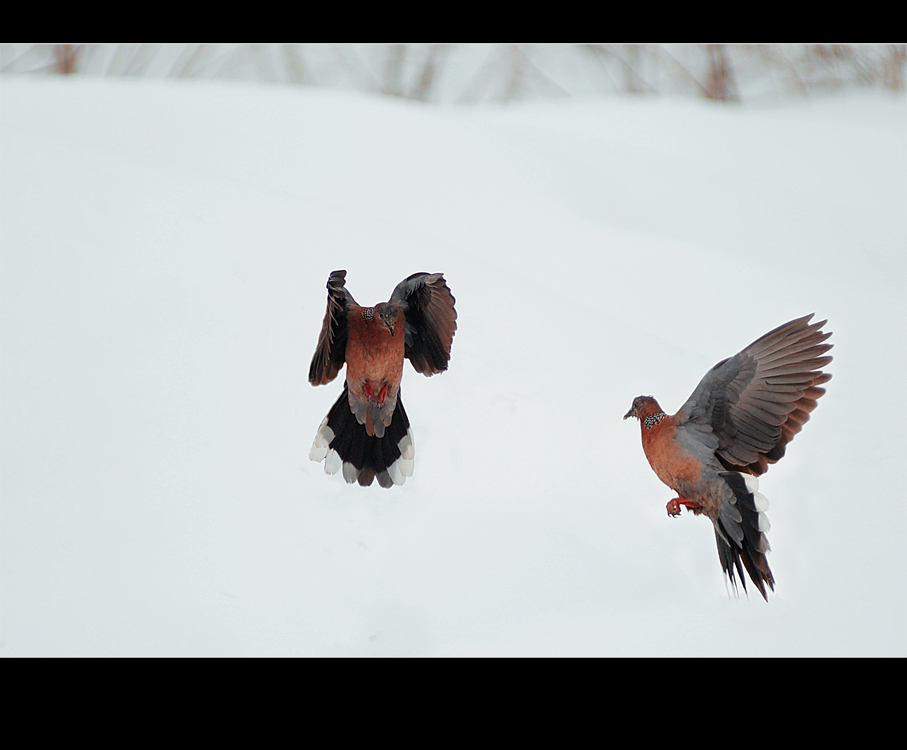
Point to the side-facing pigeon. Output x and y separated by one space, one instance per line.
739 420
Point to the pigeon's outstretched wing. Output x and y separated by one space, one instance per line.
756 401
431 320
330 354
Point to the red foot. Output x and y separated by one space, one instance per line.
673 506
370 393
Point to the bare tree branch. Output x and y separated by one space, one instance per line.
393 70
893 72
182 70
66 57
720 81
429 71
295 66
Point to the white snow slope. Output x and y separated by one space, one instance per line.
164 249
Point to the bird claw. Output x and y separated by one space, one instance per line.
673 506
370 393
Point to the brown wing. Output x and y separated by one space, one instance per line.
757 400
330 354
431 320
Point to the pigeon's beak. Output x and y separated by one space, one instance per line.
631 413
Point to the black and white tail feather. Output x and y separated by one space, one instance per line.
345 445
740 531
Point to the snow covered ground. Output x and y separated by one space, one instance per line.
164 248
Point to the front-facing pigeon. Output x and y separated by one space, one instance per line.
739 420
366 434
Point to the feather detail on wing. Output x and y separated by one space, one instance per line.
757 400
431 320
330 354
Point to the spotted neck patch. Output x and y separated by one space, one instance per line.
368 313
653 419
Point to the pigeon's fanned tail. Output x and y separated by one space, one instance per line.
344 444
